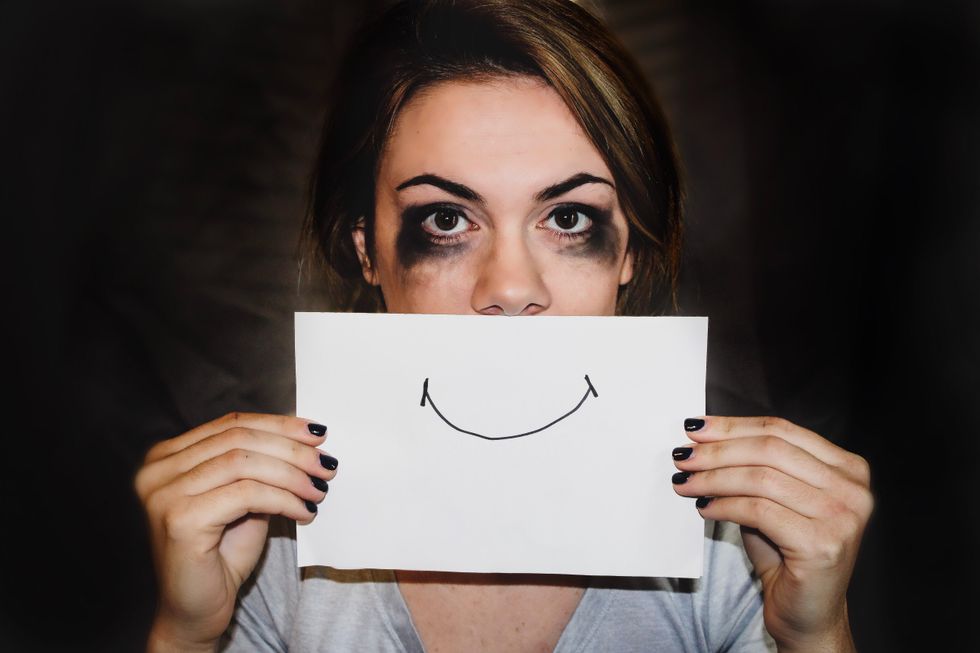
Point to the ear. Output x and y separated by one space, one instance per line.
360 245
626 271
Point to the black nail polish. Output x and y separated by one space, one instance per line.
682 453
317 429
319 483
703 502
680 477
328 461
310 506
693 424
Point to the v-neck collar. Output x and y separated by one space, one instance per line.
578 632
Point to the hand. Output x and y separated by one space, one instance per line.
803 504
208 495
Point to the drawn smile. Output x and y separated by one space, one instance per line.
590 390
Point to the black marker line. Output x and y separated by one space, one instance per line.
425 395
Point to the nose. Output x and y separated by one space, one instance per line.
510 282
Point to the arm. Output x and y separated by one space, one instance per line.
803 504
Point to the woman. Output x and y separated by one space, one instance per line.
500 158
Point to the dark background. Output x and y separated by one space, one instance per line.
154 155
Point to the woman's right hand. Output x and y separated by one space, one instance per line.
208 495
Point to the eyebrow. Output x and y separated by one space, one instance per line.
466 193
451 187
562 187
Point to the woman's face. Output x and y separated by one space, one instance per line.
491 199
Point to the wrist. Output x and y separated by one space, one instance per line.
836 639
164 638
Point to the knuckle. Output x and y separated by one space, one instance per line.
763 477
236 457
176 522
772 445
837 510
860 468
238 437
773 424
232 418
759 510
240 417
864 505
828 550
247 488
141 484
298 451
845 520
154 504
852 523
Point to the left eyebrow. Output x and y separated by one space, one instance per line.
562 187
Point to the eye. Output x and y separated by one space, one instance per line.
568 220
446 222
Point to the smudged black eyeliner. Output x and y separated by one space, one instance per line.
414 244
602 243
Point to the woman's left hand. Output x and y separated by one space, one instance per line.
802 502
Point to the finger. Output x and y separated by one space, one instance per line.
240 464
768 450
210 512
788 530
297 428
714 428
760 482
304 456
811 544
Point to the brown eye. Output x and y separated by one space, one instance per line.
568 220
446 222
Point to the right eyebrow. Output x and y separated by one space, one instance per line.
451 187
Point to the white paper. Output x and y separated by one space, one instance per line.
590 494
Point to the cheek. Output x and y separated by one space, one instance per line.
582 287
438 284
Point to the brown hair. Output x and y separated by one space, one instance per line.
418 43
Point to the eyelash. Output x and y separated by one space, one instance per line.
595 216
416 215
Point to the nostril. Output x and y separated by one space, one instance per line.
532 309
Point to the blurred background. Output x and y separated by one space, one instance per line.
154 159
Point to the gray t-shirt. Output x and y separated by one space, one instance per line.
285 608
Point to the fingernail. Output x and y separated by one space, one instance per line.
682 453
310 506
693 424
328 461
703 502
680 477
319 484
317 429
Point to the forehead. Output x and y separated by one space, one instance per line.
485 130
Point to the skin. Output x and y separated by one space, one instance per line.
466 223
508 141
